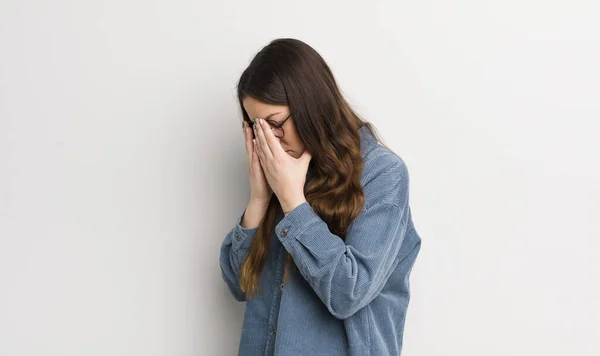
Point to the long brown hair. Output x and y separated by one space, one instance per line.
290 72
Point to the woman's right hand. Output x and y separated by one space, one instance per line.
260 191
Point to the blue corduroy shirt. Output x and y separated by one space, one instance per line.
345 297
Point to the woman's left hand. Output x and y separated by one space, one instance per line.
285 174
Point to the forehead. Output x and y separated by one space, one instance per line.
256 108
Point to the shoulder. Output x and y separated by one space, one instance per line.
384 177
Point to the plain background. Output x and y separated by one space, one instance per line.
122 166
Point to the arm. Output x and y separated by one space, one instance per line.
348 275
235 248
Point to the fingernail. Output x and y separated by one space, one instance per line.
254 120
243 124
261 121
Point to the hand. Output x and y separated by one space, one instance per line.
285 174
260 191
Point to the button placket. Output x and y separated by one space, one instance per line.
276 299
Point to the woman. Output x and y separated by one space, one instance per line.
323 252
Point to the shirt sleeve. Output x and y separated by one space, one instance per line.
347 275
234 249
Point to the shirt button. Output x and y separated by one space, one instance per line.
281 286
284 232
237 237
274 331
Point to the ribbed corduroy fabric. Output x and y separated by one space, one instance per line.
345 297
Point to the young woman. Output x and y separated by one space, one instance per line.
323 252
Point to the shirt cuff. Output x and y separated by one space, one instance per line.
242 237
290 228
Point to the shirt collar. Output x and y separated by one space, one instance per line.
367 141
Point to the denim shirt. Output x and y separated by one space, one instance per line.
345 297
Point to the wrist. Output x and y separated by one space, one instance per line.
289 205
258 204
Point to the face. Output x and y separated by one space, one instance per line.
290 142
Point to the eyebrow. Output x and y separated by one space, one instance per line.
269 116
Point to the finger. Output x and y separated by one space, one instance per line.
271 141
255 158
264 146
257 150
262 157
247 141
250 141
255 139
253 152
260 145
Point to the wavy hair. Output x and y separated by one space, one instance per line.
290 72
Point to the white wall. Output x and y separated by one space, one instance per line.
122 166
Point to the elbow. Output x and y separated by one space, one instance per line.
346 297
238 295
232 285
346 300
235 291
345 310
343 313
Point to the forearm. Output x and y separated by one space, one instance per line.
255 212
234 249
346 275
